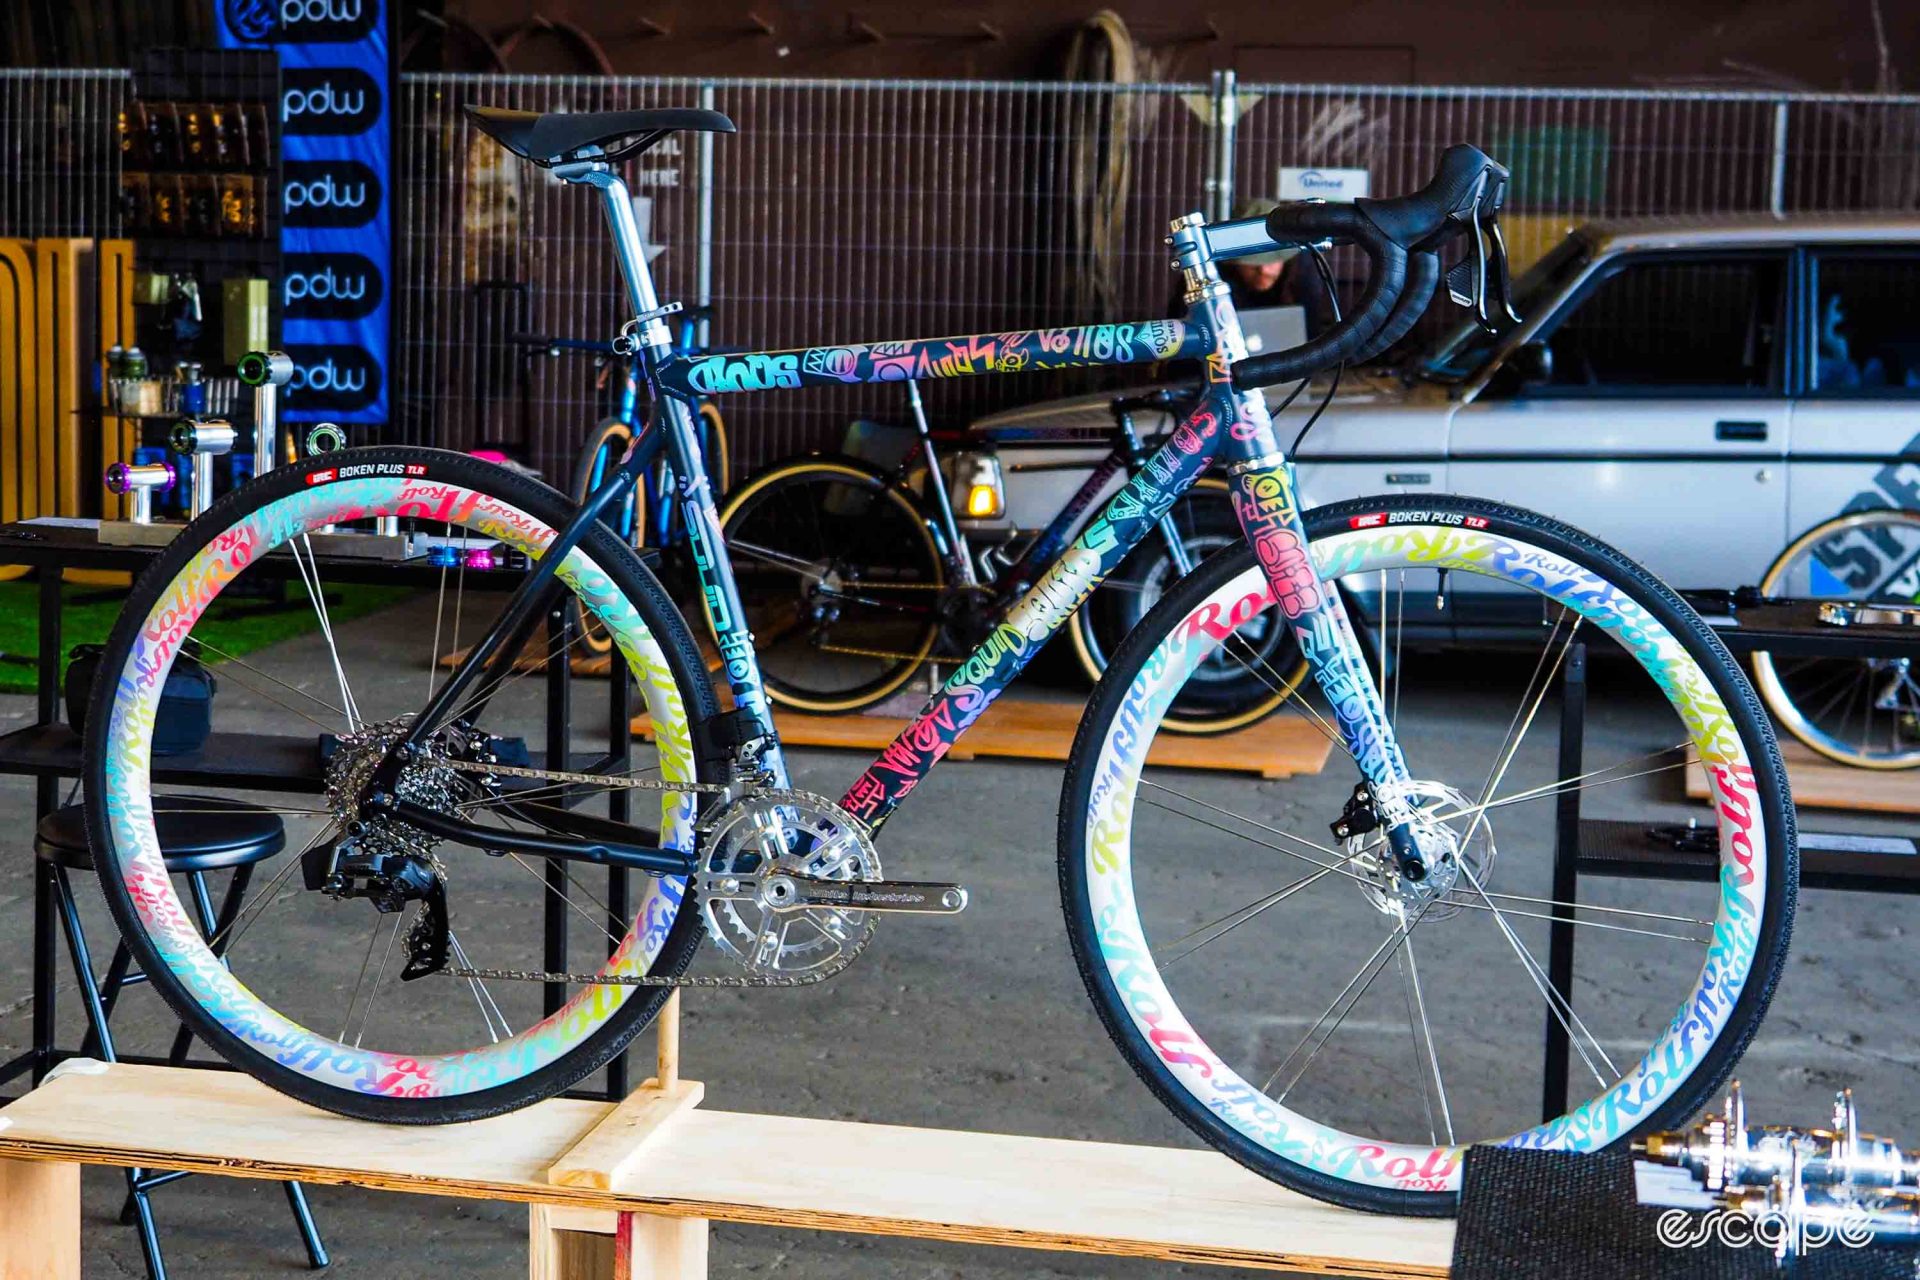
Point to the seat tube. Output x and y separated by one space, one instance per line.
699 514
1261 479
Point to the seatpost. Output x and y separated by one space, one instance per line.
702 518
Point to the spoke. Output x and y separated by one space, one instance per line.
1245 913
1297 700
1412 972
1587 781
1349 997
225 657
353 997
490 1013
268 896
1584 924
1561 1009
1335 854
598 922
373 992
310 576
1517 731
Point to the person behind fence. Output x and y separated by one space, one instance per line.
1283 278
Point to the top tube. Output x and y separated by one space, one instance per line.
1012 351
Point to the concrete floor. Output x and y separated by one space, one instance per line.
983 1023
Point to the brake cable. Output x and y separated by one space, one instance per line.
1333 388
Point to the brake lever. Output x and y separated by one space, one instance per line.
1480 281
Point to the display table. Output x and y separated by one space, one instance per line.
697 1167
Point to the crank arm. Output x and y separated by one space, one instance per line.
603 852
788 893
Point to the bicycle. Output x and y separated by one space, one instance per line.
856 577
788 886
1869 559
647 518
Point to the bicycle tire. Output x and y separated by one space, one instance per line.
1900 587
544 1058
1159 1040
927 571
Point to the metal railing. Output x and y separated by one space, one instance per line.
860 209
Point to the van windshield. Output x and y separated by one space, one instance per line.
1465 347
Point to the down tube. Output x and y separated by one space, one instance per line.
1127 518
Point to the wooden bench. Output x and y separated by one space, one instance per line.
650 1174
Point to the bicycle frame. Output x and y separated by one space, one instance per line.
1226 424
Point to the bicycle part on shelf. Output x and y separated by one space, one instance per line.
325 437
1835 1178
139 483
201 439
759 858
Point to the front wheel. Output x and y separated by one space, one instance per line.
1348 1032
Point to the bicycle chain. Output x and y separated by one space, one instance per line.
731 981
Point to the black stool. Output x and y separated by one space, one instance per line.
198 834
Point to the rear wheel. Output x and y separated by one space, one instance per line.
338 1026
842 582
1347 1032
1862 712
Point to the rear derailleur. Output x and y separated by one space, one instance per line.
389 881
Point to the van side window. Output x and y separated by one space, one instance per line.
1866 328
1686 325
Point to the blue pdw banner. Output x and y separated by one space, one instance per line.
335 200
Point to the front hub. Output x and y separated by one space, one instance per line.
1455 852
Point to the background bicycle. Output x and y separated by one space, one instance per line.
857 575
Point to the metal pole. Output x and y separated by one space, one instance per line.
703 280
1226 115
1777 197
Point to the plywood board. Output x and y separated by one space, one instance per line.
1175 1204
1820 783
1281 746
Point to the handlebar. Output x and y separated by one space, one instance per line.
1402 238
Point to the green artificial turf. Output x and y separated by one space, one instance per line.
235 625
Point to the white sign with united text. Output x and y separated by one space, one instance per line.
1322 184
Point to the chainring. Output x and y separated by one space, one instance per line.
748 841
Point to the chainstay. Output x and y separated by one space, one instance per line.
813 977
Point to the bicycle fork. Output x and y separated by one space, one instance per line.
1269 515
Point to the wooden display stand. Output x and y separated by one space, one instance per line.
628 1190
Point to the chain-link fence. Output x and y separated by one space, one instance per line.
847 210
841 211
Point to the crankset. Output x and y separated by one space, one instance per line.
789 884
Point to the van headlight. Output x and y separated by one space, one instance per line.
975 487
